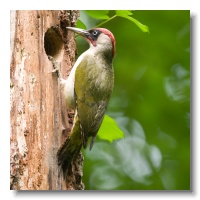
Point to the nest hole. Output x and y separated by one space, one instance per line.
53 43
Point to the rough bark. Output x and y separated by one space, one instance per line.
38 114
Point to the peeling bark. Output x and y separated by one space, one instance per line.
39 119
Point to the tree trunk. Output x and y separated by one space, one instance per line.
39 118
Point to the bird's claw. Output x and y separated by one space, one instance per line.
71 114
56 65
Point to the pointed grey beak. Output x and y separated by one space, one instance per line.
79 31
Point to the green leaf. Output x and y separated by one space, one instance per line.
109 130
98 14
143 27
80 24
123 12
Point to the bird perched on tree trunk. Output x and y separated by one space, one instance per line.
87 90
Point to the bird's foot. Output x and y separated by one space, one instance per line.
70 117
71 114
56 66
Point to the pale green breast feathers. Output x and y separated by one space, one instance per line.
69 85
93 88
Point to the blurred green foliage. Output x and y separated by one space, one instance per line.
150 103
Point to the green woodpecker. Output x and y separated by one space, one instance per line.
87 90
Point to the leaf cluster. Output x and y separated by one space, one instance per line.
105 15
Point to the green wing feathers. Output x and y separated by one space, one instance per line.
91 104
92 87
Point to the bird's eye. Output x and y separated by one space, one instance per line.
94 32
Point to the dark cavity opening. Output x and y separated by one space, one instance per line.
53 43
